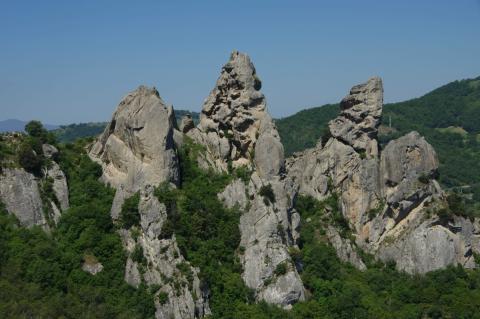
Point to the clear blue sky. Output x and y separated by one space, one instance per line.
72 61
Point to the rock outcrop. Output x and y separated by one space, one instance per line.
20 193
60 186
180 294
238 132
137 147
234 120
390 198
137 152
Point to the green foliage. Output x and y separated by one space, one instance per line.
281 269
374 212
36 130
137 255
41 275
207 233
129 215
267 193
338 290
162 297
30 156
305 128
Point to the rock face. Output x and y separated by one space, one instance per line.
389 199
137 152
60 187
357 124
137 148
20 193
163 264
238 132
234 120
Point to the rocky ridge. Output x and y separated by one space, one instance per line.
389 198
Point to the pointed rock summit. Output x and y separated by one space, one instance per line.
234 118
357 124
137 148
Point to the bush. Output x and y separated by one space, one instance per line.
129 216
162 297
30 160
281 269
268 195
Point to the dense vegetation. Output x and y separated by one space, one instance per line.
41 275
448 117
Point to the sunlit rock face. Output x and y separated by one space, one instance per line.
137 148
389 197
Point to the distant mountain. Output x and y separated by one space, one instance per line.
71 132
448 117
14 125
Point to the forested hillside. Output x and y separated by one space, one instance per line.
449 118
41 275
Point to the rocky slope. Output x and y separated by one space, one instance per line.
389 198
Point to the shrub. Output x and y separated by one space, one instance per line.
30 160
267 193
129 216
162 297
281 269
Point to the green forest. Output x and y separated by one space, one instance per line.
41 275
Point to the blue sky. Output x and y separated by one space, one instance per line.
72 61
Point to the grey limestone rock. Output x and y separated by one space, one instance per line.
137 147
234 119
389 198
20 193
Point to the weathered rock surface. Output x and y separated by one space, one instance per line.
163 265
237 131
266 233
186 124
137 152
60 187
357 124
234 119
389 199
20 193
92 265
137 148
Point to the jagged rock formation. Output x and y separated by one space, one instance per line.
237 131
137 147
389 199
234 119
20 193
137 152
163 264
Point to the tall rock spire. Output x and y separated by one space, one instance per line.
234 118
361 110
